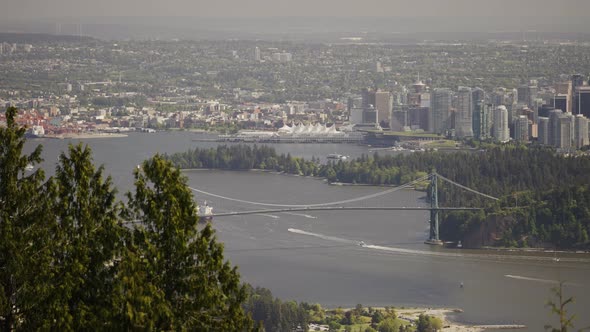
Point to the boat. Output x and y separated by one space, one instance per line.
35 132
335 156
205 212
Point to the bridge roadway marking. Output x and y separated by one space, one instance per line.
340 208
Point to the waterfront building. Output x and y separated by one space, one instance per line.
440 102
367 98
384 105
500 131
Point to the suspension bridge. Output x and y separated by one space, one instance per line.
344 205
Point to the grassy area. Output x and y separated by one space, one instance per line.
443 143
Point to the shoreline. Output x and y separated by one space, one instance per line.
449 325
86 136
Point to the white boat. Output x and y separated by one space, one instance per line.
35 132
335 156
205 212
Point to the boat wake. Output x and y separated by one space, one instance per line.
446 254
545 281
269 215
301 215
321 236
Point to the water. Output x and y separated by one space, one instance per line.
316 256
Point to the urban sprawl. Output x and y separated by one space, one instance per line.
495 91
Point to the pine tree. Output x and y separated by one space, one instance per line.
23 232
559 308
87 238
171 261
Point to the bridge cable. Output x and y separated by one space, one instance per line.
467 188
409 184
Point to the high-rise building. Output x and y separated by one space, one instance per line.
566 132
543 128
582 101
563 90
581 131
561 102
418 118
440 108
384 105
256 53
463 120
482 120
498 97
521 129
370 116
399 118
553 137
500 131
368 98
577 80
356 116
477 95
527 94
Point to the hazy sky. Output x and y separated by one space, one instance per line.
16 9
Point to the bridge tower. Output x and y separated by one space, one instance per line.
433 195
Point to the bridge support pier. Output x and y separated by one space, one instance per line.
434 238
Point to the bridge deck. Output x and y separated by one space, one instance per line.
338 208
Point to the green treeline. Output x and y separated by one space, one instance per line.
243 157
275 315
545 197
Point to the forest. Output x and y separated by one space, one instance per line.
544 196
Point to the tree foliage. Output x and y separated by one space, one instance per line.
24 255
428 323
559 308
69 262
276 315
197 287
